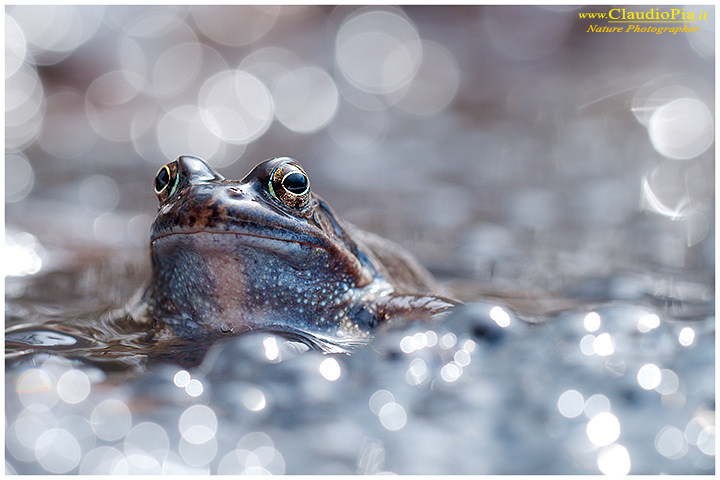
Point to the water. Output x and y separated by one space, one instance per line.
558 182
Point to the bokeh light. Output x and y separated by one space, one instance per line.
198 454
378 51
235 26
183 129
64 118
648 322
236 106
501 132
596 404
527 33
592 322
603 429
73 386
272 352
15 47
19 177
392 416
181 378
253 398
649 376
603 345
571 403
434 85
305 99
682 129
36 388
330 369
54 31
57 451
194 388
686 336
198 424
23 254
111 419
614 460
670 443
379 399
147 438
501 317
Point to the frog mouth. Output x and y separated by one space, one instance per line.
297 252
216 239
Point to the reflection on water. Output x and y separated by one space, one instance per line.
558 182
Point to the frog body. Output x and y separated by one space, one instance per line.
266 253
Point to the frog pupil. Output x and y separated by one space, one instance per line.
162 179
295 182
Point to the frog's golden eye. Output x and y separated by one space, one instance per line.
289 185
166 181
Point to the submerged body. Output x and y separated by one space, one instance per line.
265 253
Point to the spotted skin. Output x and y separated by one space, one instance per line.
265 253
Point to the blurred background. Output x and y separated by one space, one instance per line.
525 160
471 134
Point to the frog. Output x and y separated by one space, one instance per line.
266 253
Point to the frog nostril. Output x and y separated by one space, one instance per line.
234 192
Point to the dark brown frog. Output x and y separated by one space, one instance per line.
266 253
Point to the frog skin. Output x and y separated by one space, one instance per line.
265 253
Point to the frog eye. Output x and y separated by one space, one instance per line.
289 185
166 181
